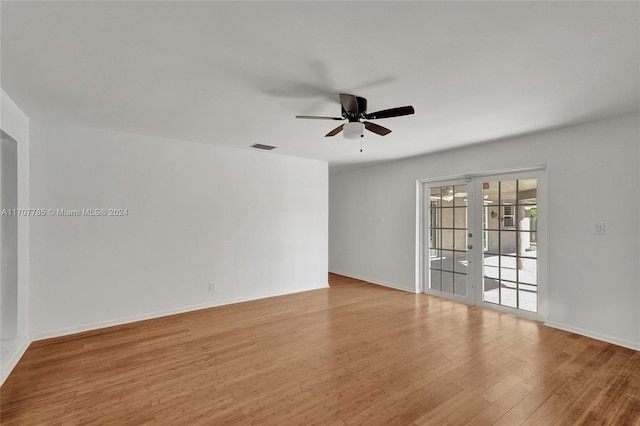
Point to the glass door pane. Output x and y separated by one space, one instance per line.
448 239
510 243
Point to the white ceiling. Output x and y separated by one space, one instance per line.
236 73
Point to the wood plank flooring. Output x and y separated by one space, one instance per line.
353 354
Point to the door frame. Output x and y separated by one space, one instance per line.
474 185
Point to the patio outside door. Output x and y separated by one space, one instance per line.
481 240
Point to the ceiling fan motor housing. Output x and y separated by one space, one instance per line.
353 130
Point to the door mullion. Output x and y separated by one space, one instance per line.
477 208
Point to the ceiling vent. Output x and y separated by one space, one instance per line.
261 146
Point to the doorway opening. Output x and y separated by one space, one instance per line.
480 241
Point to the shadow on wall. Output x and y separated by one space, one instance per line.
8 237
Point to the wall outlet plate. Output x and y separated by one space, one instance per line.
598 228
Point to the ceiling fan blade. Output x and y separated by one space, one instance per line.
316 117
349 104
334 131
393 112
376 128
362 105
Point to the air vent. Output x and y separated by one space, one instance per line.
261 146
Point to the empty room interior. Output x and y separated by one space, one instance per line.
331 213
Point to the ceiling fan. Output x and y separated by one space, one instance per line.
354 109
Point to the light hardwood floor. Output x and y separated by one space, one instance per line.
353 354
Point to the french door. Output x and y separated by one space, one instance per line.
449 241
481 241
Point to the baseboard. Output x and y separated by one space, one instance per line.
157 314
17 354
594 335
373 281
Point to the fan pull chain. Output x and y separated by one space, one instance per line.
361 137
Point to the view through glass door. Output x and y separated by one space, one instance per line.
510 264
499 265
449 240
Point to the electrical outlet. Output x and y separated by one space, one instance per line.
598 228
212 287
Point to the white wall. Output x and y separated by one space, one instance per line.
16 124
592 175
8 238
252 222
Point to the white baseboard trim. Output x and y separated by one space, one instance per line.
13 359
373 281
157 314
594 335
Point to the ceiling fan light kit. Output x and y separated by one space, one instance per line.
354 110
353 130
